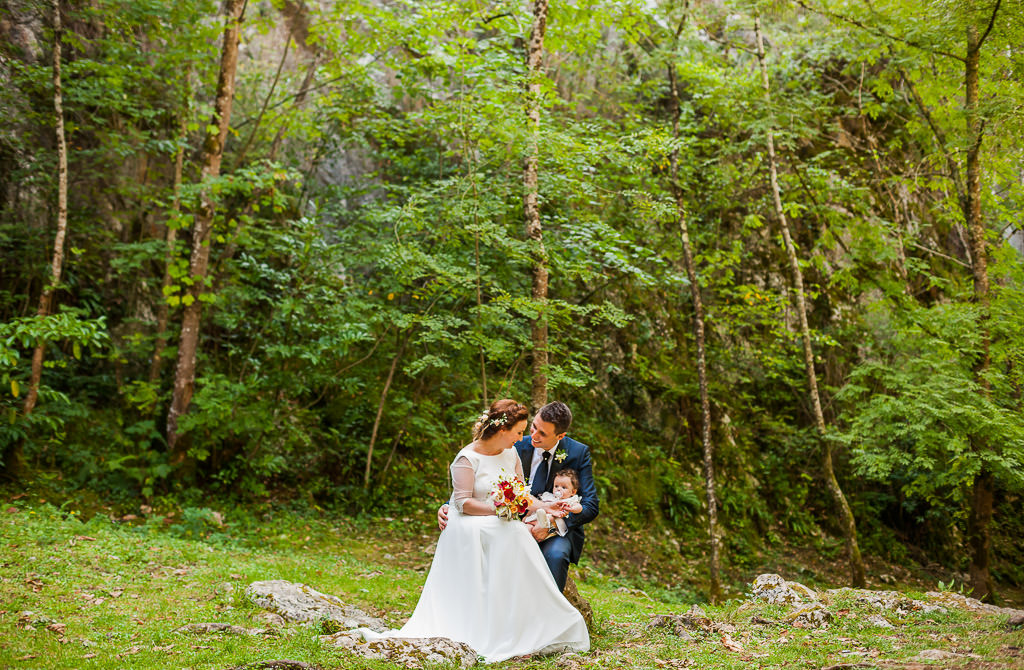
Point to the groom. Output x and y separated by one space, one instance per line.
546 451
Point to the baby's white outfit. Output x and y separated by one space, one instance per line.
542 519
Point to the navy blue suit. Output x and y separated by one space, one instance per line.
560 551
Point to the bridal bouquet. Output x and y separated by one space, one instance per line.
511 497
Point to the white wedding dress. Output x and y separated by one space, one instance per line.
489 585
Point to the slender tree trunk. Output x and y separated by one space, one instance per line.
714 570
164 311
531 210
266 103
300 101
14 458
978 525
57 263
531 207
380 413
846 520
479 307
213 152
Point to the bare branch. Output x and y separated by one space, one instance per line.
991 22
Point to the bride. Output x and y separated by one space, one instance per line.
489 585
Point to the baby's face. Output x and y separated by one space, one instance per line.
563 488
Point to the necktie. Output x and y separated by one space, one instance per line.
540 480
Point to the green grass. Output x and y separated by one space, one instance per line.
109 594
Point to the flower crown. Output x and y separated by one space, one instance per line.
499 420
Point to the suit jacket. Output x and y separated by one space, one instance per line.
577 457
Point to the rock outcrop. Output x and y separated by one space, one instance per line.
410 652
807 611
304 604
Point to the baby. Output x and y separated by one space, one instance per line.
564 488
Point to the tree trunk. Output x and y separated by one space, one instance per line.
57 263
479 308
300 101
979 536
714 571
266 103
978 528
163 313
213 152
380 413
531 207
846 520
14 458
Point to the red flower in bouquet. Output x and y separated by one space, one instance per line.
511 497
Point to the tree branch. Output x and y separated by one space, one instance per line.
991 22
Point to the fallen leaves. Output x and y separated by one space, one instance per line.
90 599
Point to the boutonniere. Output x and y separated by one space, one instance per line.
559 456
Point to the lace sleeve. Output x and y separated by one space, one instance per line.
519 467
463 481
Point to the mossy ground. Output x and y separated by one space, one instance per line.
109 594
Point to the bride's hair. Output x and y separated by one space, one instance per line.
502 415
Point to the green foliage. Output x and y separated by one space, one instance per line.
922 416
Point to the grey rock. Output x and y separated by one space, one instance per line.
302 603
890 601
879 621
936 655
813 615
282 664
1015 621
973 604
775 590
570 661
218 627
409 652
271 619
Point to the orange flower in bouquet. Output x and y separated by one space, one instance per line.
511 497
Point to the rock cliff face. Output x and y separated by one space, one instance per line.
21 31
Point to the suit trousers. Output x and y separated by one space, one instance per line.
557 550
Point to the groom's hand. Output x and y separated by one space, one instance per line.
442 516
540 533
